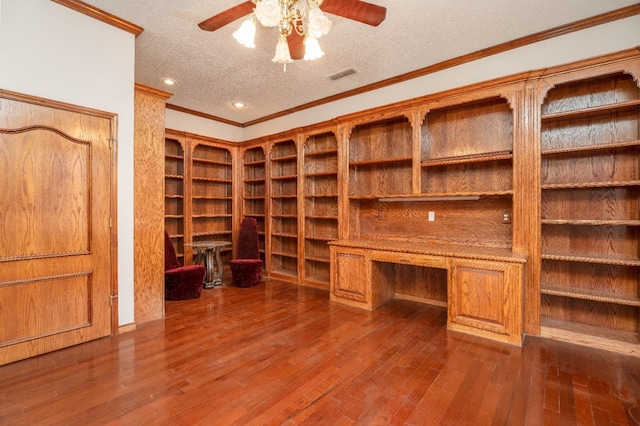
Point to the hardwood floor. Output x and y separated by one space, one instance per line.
282 354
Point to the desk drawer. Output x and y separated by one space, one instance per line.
410 259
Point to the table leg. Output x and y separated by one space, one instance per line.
209 280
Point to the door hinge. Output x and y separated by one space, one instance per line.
113 296
110 223
111 142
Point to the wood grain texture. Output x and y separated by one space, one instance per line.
56 272
282 354
149 167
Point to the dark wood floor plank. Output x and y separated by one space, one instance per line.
281 354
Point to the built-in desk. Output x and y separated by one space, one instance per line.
484 285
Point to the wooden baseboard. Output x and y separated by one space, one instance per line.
127 328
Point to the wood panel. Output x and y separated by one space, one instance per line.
149 167
477 222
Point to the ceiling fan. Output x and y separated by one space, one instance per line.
356 10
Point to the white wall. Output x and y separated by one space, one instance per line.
176 120
51 51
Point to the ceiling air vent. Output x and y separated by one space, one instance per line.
342 73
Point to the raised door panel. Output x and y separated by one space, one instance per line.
350 279
55 239
486 296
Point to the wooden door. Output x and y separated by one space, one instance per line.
55 239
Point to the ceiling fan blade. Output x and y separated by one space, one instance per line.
296 45
356 10
227 17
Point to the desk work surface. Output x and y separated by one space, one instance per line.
423 248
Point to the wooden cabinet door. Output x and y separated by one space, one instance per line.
485 298
350 278
55 238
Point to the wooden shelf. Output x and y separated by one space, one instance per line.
262 197
318 259
601 338
321 217
178 177
286 272
321 174
322 279
284 216
284 235
591 185
591 222
284 254
593 259
313 238
206 179
463 159
288 177
280 197
321 196
216 162
258 180
254 163
321 153
210 216
174 157
381 161
174 196
507 193
173 216
592 111
284 158
593 148
211 233
258 215
210 198
595 295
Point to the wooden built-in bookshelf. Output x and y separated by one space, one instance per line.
590 183
320 206
542 168
283 232
254 190
174 193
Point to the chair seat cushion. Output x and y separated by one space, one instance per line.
246 272
184 282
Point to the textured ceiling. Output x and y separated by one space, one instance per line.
212 70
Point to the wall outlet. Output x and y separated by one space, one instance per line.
432 216
506 217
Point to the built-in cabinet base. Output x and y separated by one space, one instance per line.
484 286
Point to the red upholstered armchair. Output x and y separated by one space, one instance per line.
180 282
246 268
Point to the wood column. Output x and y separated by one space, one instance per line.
149 203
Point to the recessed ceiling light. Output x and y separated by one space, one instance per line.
169 81
238 105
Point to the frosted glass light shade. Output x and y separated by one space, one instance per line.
312 49
246 34
268 12
282 55
319 24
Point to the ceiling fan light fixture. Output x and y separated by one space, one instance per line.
246 34
312 48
